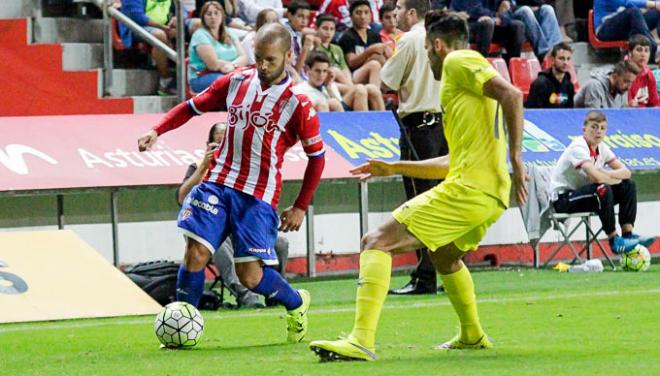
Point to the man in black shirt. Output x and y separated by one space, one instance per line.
554 87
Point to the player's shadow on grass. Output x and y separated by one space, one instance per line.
218 347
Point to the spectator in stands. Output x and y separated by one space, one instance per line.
339 10
160 26
390 34
621 19
566 19
223 257
541 26
232 20
589 178
489 23
214 51
302 39
364 50
643 92
652 18
610 90
325 31
421 135
249 9
264 17
553 88
325 94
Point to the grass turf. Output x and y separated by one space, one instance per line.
542 322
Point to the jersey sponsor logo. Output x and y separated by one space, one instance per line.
204 206
251 118
213 200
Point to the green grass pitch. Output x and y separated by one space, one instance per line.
542 322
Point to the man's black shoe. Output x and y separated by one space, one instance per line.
414 288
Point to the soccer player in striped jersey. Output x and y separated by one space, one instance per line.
239 194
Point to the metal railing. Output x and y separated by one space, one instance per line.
178 56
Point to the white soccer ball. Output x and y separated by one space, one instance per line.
637 260
179 324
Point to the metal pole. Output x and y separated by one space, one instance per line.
311 253
114 218
588 226
60 212
364 208
180 53
107 48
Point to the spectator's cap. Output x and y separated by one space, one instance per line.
359 3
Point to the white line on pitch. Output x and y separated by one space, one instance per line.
267 313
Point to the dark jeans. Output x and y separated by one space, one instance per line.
652 18
429 142
601 198
511 36
626 24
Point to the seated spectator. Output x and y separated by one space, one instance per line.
325 30
214 51
541 26
302 40
652 18
566 19
390 34
489 23
249 9
231 9
264 17
553 88
589 178
338 9
621 19
643 92
364 50
324 94
610 90
157 21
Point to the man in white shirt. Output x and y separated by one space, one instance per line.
589 178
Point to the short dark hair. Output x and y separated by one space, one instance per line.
561 46
325 18
595 115
387 7
420 6
625 66
296 5
448 26
358 3
316 57
638 40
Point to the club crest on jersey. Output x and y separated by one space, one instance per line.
240 114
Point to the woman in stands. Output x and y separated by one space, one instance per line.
214 50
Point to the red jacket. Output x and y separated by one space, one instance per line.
644 90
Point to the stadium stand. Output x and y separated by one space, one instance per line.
599 44
500 66
523 72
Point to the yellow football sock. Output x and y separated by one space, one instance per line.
373 283
460 290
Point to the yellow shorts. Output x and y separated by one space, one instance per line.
450 213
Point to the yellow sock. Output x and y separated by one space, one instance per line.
373 283
460 290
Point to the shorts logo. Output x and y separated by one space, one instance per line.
213 200
204 206
258 250
186 214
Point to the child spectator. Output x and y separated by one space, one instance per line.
390 33
302 40
338 9
364 50
643 91
214 51
264 17
325 30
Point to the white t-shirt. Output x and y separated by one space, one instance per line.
316 95
568 174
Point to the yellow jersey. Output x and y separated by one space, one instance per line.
473 125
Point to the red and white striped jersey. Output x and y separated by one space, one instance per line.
262 123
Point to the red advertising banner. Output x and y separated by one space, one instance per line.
84 151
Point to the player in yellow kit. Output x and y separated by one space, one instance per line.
452 218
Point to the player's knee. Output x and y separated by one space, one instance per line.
248 278
160 34
196 257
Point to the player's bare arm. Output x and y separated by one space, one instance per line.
511 100
434 168
618 170
597 175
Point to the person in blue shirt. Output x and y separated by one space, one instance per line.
621 19
214 51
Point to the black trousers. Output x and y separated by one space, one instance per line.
601 198
429 142
512 36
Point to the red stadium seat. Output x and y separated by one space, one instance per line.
600 44
500 66
523 72
547 63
